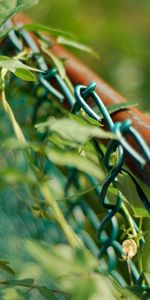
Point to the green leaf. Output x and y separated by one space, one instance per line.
141 191
13 144
144 187
62 255
12 64
120 106
127 187
7 12
67 42
147 277
27 3
6 266
84 119
75 160
84 289
57 62
130 292
117 107
18 132
93 286
21 294
54 32
25 74
46 293
28 282
11 293
11 176
9 8
4 32
59 157
74 131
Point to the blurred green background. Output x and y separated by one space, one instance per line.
118 30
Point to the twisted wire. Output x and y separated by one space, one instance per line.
107 243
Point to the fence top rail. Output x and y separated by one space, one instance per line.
79 73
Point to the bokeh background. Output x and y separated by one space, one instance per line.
118 30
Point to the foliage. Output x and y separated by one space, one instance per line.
10 9
44 249
117 30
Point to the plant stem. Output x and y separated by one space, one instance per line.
140 260
129 219
71 236
74 241
129 271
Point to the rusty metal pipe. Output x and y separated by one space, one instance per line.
79 73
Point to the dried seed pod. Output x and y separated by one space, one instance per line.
129 247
